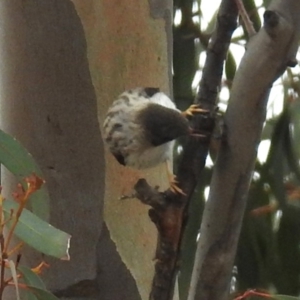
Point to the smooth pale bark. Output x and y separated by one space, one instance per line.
268 53
49 104
48 101
128 45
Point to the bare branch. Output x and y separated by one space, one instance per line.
169 210
166 216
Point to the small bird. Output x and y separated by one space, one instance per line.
140 128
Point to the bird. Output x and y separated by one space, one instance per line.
141 126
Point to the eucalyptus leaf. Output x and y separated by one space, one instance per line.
184 54
37 233
293 140
276 158
251 9
20 163
230 66
31 278
41 294
291 157
284 297
28 295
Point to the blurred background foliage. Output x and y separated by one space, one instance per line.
268 255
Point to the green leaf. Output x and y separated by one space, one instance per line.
292 158
28 295
284 297
251 9
293 139
31 278
276 158
41 294
20 162
184 56
37 233
230 66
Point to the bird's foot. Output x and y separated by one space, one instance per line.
194 109
174 185
130 196
173 181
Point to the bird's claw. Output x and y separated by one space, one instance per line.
194 109
174 186
130 196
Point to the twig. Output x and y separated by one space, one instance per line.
34 183
15 249
166 216
2 271
250 293
244 15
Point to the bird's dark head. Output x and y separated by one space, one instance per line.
146 92
150 91
162 124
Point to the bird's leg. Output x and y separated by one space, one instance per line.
193 109
194 133
172 180
130 196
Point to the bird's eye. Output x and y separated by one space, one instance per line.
117 126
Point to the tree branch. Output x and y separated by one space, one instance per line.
268 54
169 210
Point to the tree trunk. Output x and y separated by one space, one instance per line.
62 62
129 45
268 54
